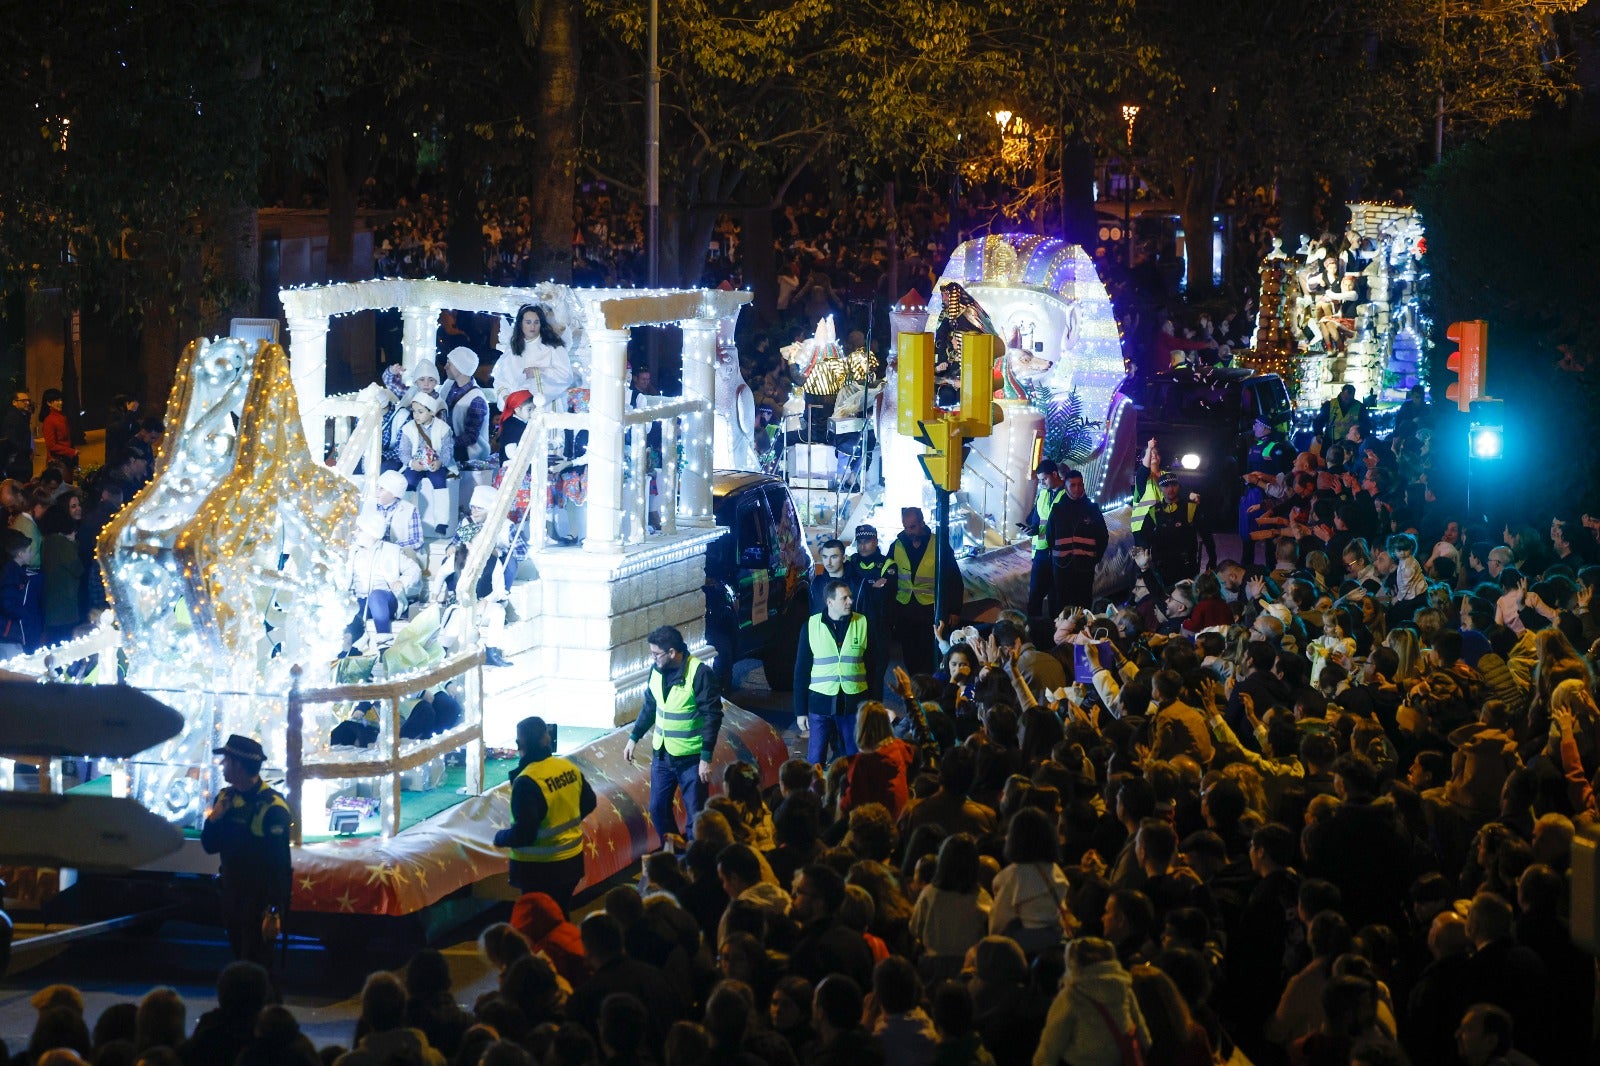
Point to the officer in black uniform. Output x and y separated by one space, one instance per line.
873 580
1078 538
248 827
1171 532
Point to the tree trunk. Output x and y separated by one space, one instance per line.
1078 224
1298 194
464 236
1199 206
757 254
341 211
555 141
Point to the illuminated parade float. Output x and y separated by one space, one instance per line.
234 579
231 572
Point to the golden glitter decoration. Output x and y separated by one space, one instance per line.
277 522
144 577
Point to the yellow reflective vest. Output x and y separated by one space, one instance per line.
1046 499
560 834
842 667
916 582
679 723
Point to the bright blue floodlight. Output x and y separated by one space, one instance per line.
1486 442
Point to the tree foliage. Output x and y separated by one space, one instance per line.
127 126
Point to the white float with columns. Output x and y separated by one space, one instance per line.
579 651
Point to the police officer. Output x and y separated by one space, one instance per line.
915 562
248 828
550 797
836 666
682 702
1077 535
1147 488
1041 579
1171 533
873 579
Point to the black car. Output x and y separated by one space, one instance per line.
1204 424
758 576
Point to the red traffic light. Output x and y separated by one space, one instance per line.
1469 362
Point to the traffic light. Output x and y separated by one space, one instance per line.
1469 362
915 381
1486 436
978 354
942 461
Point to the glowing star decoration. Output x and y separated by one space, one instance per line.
265 550
222 570
144 577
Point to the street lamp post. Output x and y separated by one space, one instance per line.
1130 114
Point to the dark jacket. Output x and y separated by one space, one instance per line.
828 946
707 697
21 605
808 702
1077 534
252 839
635 978
527 815
1360 849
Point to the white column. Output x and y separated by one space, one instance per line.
700 383
308 366
608 381
420 338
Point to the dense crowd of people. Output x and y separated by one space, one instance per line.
1316 811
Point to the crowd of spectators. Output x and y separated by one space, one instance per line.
1333 824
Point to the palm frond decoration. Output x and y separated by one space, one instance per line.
1069 437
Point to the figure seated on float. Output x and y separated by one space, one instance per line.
428 458
568 491
499 573
417 646
537 361
959 313
384 579
401 523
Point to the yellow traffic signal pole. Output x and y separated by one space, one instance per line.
943 432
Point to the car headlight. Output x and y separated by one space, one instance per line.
1189 461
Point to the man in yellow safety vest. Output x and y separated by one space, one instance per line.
836 666
683 704
550 797
914 560
1041 578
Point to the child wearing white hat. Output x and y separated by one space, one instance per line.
381 576
402 524
427 452
468 411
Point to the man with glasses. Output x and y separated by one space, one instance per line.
682 703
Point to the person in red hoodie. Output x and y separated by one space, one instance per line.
537 916
57 434
1210 608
